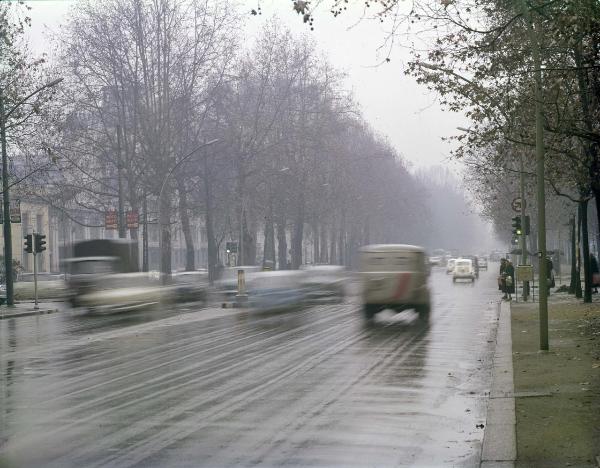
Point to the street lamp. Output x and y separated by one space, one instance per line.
7 231
162 188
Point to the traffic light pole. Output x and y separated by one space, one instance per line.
35 286
523 226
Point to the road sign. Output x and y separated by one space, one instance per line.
133 220
15 210
111 220
524 273
517 204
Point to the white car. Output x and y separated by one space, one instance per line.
483 264
463 269
450 266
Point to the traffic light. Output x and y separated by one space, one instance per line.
527 226
28 243
40 242
516 226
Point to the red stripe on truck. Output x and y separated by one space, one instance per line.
403 282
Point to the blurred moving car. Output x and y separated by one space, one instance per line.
190 285
483 264
394 276
325 282
435 260
124 291
450 265
50 286
227 285
276 290
103 275
463 269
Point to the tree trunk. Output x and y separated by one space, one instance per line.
587 292
315 240
332 246
324 258
578 292
342 240
573 283
145 266
190 259
249 253
596 192
269 244
298 235
121 201
281 245
165 235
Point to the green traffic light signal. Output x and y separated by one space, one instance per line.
516 226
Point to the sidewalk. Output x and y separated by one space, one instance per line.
557 393
26 308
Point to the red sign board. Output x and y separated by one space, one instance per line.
133 220
111 219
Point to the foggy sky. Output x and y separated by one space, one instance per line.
392 103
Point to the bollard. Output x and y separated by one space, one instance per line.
241 295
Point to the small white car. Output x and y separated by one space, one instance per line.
463 269
483 264
450 266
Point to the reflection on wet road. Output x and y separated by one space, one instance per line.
311 387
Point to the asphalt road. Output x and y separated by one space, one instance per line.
225 387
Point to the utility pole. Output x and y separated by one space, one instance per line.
534 38
524 230
6 228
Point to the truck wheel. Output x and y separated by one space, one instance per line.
370 310
423 311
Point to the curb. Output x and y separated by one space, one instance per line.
26 313
499 438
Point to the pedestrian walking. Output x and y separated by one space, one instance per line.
509 279
502 278
595 273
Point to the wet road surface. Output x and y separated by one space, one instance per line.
224 387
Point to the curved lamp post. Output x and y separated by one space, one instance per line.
7 231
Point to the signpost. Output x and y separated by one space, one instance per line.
517 205
133 220
111 219
15 210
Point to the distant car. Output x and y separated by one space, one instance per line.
324 282
463 269
475 260
394 276
450 265
278 290
483 264
190 285
435 260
